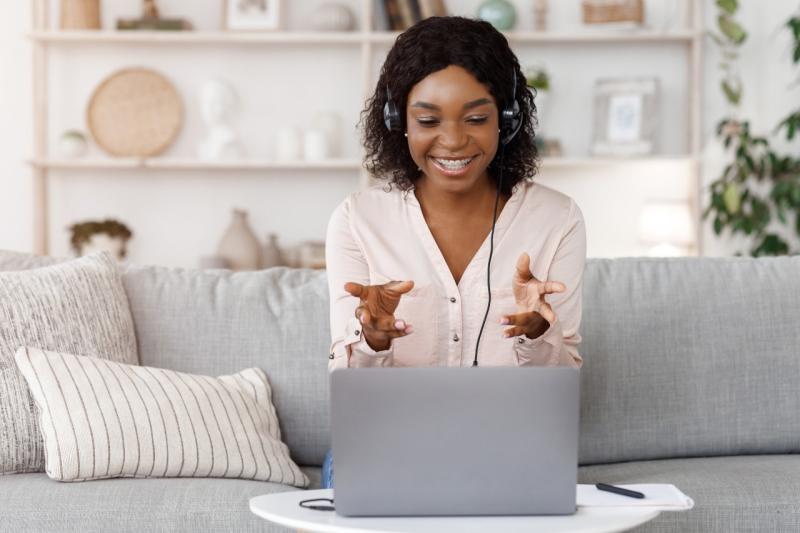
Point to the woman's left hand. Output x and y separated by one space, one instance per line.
535 314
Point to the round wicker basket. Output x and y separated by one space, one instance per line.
135 112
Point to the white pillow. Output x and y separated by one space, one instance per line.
102 419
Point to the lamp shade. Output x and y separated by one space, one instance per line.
666 221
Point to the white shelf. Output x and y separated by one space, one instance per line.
368 43
588 36
195 37
164 163
223 37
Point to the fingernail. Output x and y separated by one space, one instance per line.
399 324
504 320
409 329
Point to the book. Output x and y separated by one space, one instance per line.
395 20
406 13
432 8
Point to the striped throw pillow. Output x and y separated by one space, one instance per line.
102 419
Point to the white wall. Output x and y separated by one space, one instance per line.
177 217
16 122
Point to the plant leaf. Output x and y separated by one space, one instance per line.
731 29
733 94
729 6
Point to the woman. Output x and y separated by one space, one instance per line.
408 261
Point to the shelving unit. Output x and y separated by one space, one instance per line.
44 38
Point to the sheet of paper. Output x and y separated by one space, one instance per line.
659 495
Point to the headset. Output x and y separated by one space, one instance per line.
510 124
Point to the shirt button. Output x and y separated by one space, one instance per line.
330 356
357 332
455 337
520 340
453 299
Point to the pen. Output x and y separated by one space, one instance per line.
619 490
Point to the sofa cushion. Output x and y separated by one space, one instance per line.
218 322
689 357
747 493
78 306
171 424
35 503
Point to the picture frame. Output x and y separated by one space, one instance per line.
625 116
252 15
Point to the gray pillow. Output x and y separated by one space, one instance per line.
79 307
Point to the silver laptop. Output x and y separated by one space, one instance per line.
455 441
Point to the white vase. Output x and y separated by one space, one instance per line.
331 123
289 146
239 245
271 255
315 145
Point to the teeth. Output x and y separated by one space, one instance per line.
453 164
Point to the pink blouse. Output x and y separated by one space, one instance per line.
378 235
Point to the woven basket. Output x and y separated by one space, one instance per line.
135 112
80 14
602 11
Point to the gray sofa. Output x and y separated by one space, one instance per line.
690 376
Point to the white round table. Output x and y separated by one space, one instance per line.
282 508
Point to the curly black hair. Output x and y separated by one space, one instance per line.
432 45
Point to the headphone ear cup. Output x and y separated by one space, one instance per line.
511 122
391 117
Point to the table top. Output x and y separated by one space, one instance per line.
282 508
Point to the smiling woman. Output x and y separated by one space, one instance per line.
450 127
449 71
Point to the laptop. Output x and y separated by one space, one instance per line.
455 441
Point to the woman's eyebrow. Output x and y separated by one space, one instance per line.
468 105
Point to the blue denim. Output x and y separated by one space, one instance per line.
327 471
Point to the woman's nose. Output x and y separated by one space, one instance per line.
453 136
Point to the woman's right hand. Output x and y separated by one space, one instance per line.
376 312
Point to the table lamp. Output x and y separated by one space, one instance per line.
666 225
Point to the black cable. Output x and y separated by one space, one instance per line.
318 507
491 250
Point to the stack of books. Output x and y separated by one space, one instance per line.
399 15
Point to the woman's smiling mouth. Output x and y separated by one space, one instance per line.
453 167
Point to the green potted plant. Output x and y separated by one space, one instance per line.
757 182
538 79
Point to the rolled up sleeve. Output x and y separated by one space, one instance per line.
345 261
558 345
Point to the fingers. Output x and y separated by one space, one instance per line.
550 287
363 315
524 268
516 331
399 287
520 319
355 289
524 322
386 324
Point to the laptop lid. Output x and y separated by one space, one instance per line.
455 441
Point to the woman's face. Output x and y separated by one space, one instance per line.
452 119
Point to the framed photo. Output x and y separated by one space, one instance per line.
625 116
252 15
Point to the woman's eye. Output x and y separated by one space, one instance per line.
432 122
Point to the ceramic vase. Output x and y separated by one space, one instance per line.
239 245
499 13
271 255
